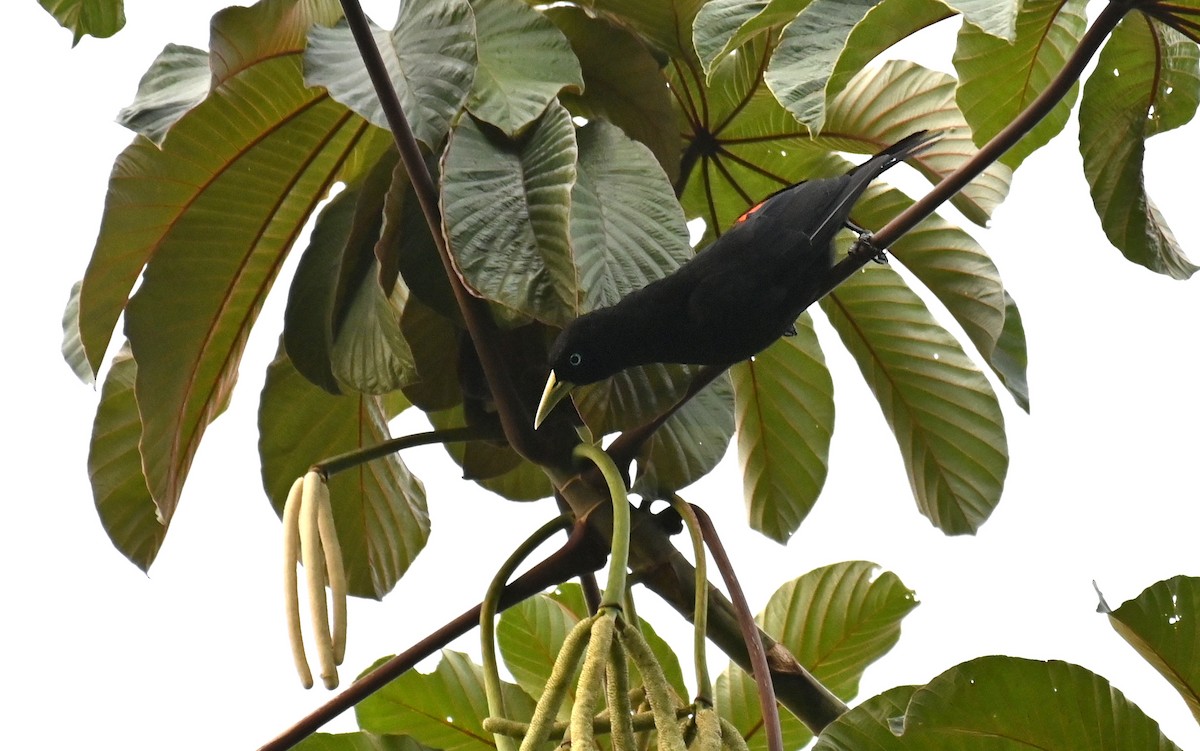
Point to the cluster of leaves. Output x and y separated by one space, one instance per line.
572 145
562 136
838 619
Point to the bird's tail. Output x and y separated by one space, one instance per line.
862 176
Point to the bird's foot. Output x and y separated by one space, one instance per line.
866 246
790 330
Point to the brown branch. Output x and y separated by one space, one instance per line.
515 417
754 645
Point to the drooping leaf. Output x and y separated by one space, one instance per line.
177 80
72 345
999 78
952 265
883 26
1163 625
623 84
784 414
524 62
506 207
1014 703
724 25
1146 81
495 467
100 18
689 444
127 511
379 508
997 19
443 709
942 410
218 215
370 353
332 274
807 53
666 24
242 36
901 97
430 55
836 620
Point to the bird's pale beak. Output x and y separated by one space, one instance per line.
554 393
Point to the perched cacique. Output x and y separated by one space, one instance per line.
733 298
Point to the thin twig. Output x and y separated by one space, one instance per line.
758 656
350 459
514 415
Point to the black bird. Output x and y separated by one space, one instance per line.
732 299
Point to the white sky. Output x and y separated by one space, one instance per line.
1102 486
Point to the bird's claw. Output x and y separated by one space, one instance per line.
866 246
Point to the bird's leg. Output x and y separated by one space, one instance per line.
865 245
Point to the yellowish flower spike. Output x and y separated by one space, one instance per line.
291 594
314 570
335 568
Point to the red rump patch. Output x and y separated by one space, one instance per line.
749 211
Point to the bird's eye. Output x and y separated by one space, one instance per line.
575 358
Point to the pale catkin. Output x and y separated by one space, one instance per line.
541 724
314 570
335 568
590 688
291 593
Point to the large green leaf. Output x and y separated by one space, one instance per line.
666 24
623 83
956 269
883 26
886 104
836 620
506 208
123 501
178 79
358 742
1146 82
807 53
1163 625
530 636
942 410
997 19
524 61
784 413
243 36
337 292
999 78
430 56
1003 704
379 507
442 710
627 229
100 18
689 444
218 215
370 353
724 25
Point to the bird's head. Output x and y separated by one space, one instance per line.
580 355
